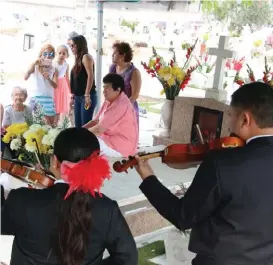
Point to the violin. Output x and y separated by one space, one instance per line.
26 173
183 156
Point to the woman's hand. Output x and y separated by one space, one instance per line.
72 102
87 102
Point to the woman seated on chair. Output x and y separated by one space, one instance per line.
71 222
115 124
17 112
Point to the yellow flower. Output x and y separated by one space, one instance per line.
37 135
151 63
171 81
7 138
162 92
165 73
178 73
15 130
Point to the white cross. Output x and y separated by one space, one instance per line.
222 53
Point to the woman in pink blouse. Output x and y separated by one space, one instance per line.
115 124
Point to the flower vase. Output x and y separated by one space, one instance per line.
166 117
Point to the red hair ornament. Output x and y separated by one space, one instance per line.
87 175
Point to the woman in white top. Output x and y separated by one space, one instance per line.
45 79
17 112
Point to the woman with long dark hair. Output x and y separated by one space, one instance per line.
82 82
70 223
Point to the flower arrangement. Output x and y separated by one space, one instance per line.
267 75
233 64
33 141
205 65
29 141
172 77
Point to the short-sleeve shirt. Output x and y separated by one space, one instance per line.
12 116
120 123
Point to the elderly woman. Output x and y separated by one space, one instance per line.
115 124
122 64
17 112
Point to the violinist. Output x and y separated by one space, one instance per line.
71 222
228 206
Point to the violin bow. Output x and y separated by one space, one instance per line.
199 133
38 154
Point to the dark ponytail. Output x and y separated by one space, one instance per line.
75 219
74 226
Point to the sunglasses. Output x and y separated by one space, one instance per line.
48 54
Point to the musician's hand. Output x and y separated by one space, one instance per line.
143 168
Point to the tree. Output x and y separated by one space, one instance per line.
171 5
130 24
239 14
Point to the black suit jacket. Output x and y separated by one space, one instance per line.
32 216
229 206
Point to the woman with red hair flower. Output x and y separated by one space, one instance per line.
70 223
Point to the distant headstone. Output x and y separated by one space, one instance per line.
28 42
222 53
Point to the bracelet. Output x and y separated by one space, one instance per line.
87 95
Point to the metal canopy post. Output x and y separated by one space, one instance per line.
99 44
99 51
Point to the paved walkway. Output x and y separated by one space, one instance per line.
124 186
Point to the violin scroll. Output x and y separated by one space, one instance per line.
122 166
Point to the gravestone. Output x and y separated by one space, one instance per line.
28 42
217 91
184 118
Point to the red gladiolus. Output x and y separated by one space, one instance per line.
145 66
252 78
228 64
157 67
157 60
265 78
171 63
188 53
239 82
185 82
